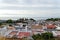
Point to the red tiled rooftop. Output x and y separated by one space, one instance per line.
51 26
23 34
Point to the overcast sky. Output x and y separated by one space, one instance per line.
29 8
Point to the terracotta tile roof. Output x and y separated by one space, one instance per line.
51 26
23 34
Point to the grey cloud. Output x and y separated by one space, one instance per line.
31 1
29 8
10 1
54 9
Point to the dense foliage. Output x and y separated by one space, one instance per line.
9 21
43 36
36 37
52 19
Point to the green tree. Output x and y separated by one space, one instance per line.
0 23
9 21
21 20
36 37
49 19
32 19
52 19
47 36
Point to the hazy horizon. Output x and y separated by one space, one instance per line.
29 8
16 18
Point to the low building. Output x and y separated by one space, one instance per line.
10 27
51 26
37 29
23 34
12 34
56 33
